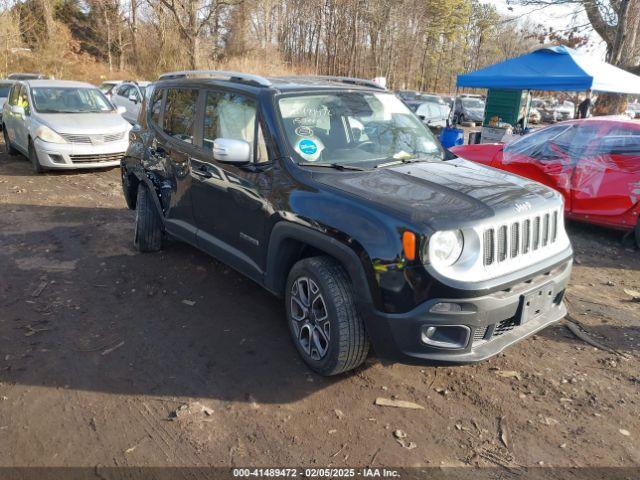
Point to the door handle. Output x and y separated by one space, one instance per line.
202 172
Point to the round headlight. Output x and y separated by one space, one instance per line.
445 248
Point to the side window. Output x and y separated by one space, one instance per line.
179 113
620 141
262 154
155 106
231 115
23 99
123 90
13 96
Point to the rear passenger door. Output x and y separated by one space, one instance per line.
173 117
229 206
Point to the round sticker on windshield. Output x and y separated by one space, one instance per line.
304 131
308 147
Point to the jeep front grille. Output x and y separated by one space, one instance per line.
503 243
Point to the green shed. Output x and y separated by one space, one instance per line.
509 105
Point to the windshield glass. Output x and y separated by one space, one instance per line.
472 103
106 86
361 128
70 100
4 90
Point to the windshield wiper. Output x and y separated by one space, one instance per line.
337 166
400 161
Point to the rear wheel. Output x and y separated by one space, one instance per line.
325 326
33 158
7 143
148 231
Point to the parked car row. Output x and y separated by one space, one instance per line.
551 111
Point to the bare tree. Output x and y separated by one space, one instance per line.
192 17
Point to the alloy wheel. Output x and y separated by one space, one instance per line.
310 318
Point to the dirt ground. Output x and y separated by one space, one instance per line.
100 345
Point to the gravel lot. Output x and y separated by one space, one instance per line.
100 345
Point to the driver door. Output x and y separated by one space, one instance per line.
229 201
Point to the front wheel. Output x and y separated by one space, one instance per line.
7 143
148 232
33 158
323 320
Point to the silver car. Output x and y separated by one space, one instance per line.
61 124
129 95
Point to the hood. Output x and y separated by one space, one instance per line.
85 123
442 195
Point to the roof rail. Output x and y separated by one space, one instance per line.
351 80
233 76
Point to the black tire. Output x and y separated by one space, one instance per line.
129 189
7 143
33 158
148 231
637 234
347 346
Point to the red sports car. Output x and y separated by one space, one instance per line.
594 163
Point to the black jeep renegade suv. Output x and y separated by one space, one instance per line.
331 194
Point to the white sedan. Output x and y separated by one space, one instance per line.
61 124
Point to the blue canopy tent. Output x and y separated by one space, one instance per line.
553 68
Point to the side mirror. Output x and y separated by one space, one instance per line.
229 150
17 110
133 98
120 109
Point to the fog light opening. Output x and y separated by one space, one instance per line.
446 336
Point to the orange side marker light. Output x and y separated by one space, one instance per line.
409 245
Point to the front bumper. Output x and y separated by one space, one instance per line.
76 155
493 321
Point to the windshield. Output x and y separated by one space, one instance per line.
472 103
70 100
4 91
105 87
361 128
431 98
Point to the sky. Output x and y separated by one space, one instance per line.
558 16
